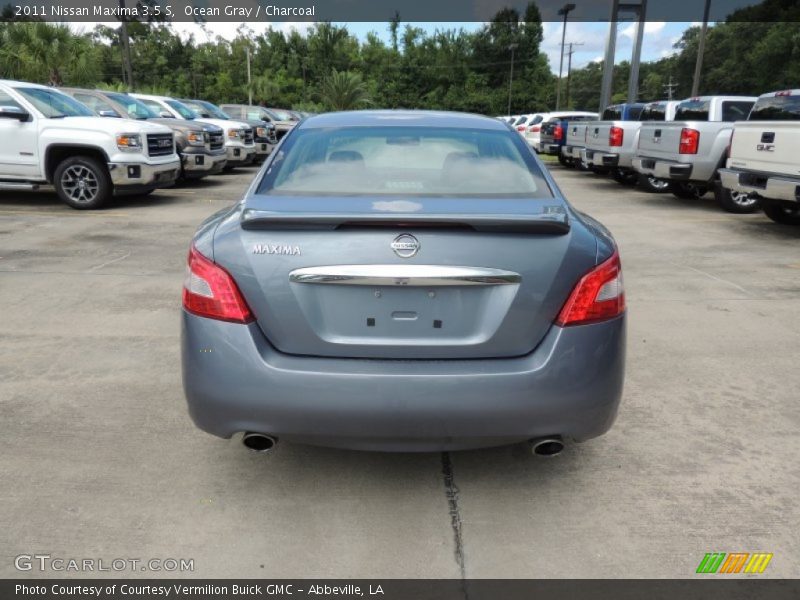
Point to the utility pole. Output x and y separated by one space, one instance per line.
569 68
125 45
669 88
249 82
511 47
564 10
698 66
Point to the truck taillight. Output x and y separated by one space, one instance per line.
558 132
534 128
521 128
690 138
615 136
210 291
598 296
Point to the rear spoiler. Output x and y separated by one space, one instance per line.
553 220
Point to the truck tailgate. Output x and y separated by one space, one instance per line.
660 139
766 146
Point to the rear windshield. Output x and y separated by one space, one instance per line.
654 112
692 110
407 161
612 113
777 108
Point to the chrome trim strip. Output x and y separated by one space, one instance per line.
405 275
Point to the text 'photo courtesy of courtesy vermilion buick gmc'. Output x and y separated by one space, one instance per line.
403 281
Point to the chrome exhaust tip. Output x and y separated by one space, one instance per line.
547 446
259 442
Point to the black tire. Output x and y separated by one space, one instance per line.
599 170
625 177
687 191
653 185
736 202
83 182
565 162
786 213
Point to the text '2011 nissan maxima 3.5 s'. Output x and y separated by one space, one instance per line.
403 281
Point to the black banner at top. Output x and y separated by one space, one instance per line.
266 11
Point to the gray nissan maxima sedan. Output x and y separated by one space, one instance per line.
403 281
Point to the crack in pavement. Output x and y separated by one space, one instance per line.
451 492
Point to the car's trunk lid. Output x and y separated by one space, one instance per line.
406 279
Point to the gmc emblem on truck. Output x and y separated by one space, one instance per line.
765 147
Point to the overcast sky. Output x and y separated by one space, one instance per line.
659 37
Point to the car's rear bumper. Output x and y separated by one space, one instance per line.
549 148
236 381
774 187
601 158
698 171
574 152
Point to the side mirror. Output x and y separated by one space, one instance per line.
109 113
14 112
165 114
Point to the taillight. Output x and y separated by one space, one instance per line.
615 136
521 128
599 295
558 132
534 128
690 138
210 291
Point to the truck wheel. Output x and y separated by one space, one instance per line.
687 191
82 182
736 202
653 185
565 162
786 214
625 177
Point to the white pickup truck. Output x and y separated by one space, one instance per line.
239 137
50 138
690 150
765 156
611 143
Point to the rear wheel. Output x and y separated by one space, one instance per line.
653 185
82 182
784 213
687 191
625 177
736 202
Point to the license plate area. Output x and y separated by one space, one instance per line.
404 315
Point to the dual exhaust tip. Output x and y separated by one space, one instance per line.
547 446
259 442
263 444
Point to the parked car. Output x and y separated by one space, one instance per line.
259 113
690 150
765 156
479 310
240 147
553 134
612 142
522 122
50 138
199 145
263 132
533 129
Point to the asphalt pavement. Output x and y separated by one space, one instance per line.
99 460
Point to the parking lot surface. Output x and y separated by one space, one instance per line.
99 459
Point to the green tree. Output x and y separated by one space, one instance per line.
344 90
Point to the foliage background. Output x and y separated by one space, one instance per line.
448 69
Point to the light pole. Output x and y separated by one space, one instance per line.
564 10
511 47
698 66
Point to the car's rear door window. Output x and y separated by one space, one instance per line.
408 161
